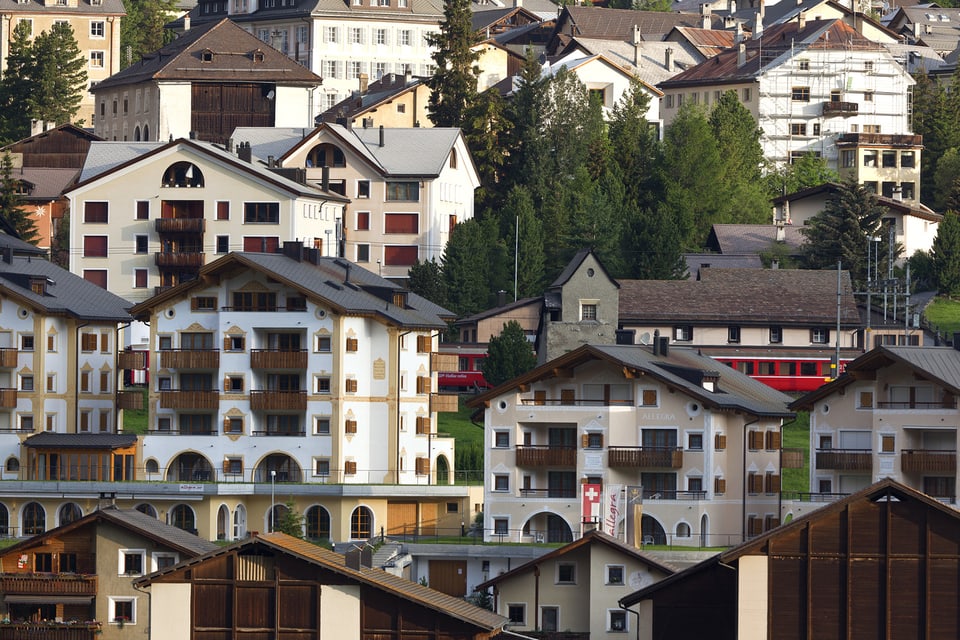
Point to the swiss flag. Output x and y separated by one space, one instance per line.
592 495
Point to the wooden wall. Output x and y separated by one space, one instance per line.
218 109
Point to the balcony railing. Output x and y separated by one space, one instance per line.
180 399
792 459
837 108
190 359
446 402
190 431
134 359
130 400
673 494
8 358
946 403
882 139
8 398
266 400
546 456
845 459
180 225
644 457
928 461
276 359
555 492
179 259
50 630
573 402
52 584
281 433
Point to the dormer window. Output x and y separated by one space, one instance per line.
258 56
206 55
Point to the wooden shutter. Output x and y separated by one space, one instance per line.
772 483
771 522
423 384
423 344
773 440
539 398
423 425
351 385
352 344
350 468
105 342
719 485
584 441
755 440
720 442
226 343
194 305
423 466
350 426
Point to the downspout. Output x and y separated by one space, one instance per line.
743 484
148 594
536 598
636 613
430 409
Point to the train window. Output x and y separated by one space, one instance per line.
788 368
808 368
766 368
776 335
745 368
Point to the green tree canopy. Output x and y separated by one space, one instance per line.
945 255
58 75
143 30
11 204
508 355
425 278
290 521
454 84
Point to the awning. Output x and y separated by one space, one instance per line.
15 599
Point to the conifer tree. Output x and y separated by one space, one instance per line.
425 278
143 29
454 84
508 355
59 75
945 255
743 199
11 203
15 87
530 259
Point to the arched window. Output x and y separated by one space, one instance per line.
223 522
136 133
4 520
151 466
69 513
683 530
275 516
13 464
318 523
361 523
146 133
240 522
143 507
181 516
182 174
33 519
453 158
326 155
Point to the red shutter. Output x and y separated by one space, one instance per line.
363 220
400 256
95 246
95 212
96 276
401 223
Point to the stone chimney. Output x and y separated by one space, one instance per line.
706 22
738 33
186 23
668 58
741 55
637 39
364 82
731 6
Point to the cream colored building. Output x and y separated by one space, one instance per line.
96 28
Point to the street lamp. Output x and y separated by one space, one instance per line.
273 487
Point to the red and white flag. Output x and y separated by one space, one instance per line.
592 499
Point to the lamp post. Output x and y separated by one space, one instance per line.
273 487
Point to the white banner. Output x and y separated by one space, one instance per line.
614 508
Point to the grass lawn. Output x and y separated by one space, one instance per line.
797 436
459 426
944 315
135 421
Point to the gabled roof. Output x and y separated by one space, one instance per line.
51 149
45 184
575 264
918 210
578 64
938 364
84 8
884 490
500 16
495 311
544 9
345 286
653 56
594 537
760 296
383 91
66 294
777 44
740 239
708 42
105 158
619 24
232 55
682 369
376 578
780 12
149 527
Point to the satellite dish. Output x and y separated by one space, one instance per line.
645 337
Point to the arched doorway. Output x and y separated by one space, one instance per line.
182 517
546 527
443 471
361 524
286 468
317 523
223 522
653 532
190 467
239 522
704 531
70 512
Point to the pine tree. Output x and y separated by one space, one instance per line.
15 87
454 84
530 259
945 255
466 270
59 77
11 203
425 278
744 200
508 355
809 170
290 521
484 128
634 143
523 140
143 29
652 245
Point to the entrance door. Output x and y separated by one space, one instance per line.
449 577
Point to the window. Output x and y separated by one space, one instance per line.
865 400
683 333
594 441
321 425
123 610
400 256
235 343
405 37
330 34
223 244
400 223
517 614
648 398
233 384
804 65
887 444
820 335
733 334
233 424
745 95
223 210
907 159
798 128
26 383
501 526
97 29
403 191
261 212
868 66
323 385
96 276
868 96
356 35
363 253
800 94
695 441
131 562
95 246
96 59
381 35
321 467
95 212
501 439
588 311
871 128
501 483
615 574
566 573
617 619
776 335
26 342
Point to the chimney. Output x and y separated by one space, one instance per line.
517 3
656 342
293 249
956 341
757 27
705 15
801 21
186 23
381 135
731 6
193 135
781 232
244 152
230 145
352 558
270 162
637 39
407 76
364 82
664 345
738 32
741 55
898 193
668 58
325 178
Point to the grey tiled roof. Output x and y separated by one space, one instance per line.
752 238
66 293
942 363
653 56
47 184
789 297
156 529
270 141
81 440
17 245
697 261
104 156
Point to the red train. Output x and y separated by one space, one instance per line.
469 374
790 374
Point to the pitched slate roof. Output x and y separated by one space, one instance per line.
382 91
377 578
939 364
545 9
751 238
917 210
10 240
81 440
233 60
349 288
66 294
681 369
46 184
619 24
495 311
762 296
653 56
709 42
590 538
422 11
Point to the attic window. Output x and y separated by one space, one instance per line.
258 56
207 55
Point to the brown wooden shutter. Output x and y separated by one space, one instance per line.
350 468
350 426
773 440
584 441
351 385
194 305
226 425
719 485
423 384
352 344
423 344
772 482
720 442
423 466
423 425
226 343
226 466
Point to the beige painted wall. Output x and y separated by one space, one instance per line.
339 612
170 603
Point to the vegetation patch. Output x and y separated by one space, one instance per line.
943 314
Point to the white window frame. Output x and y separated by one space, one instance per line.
626 620
121 557
623 574
112 602
156 555
94 62
102 28
573 565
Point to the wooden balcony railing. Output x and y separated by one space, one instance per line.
844 459
438 362
8 398
8 358
190 359
50 630
546 456
837 108
180 225
644 457
573 402
130 400
792 459
928 461
52 584
176 399
444 402
274 359
266 400
179 259
133 359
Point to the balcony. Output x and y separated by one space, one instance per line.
190 359
267 400
645 457
133 359
181 399
276 359
928 461
50 630
180 225
444 402
281 433
844 459
948 402
438 362
130 400
192 259
8 398
555 492
546 456
792 459
837 108
8 358
49 584
880 139
572 402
